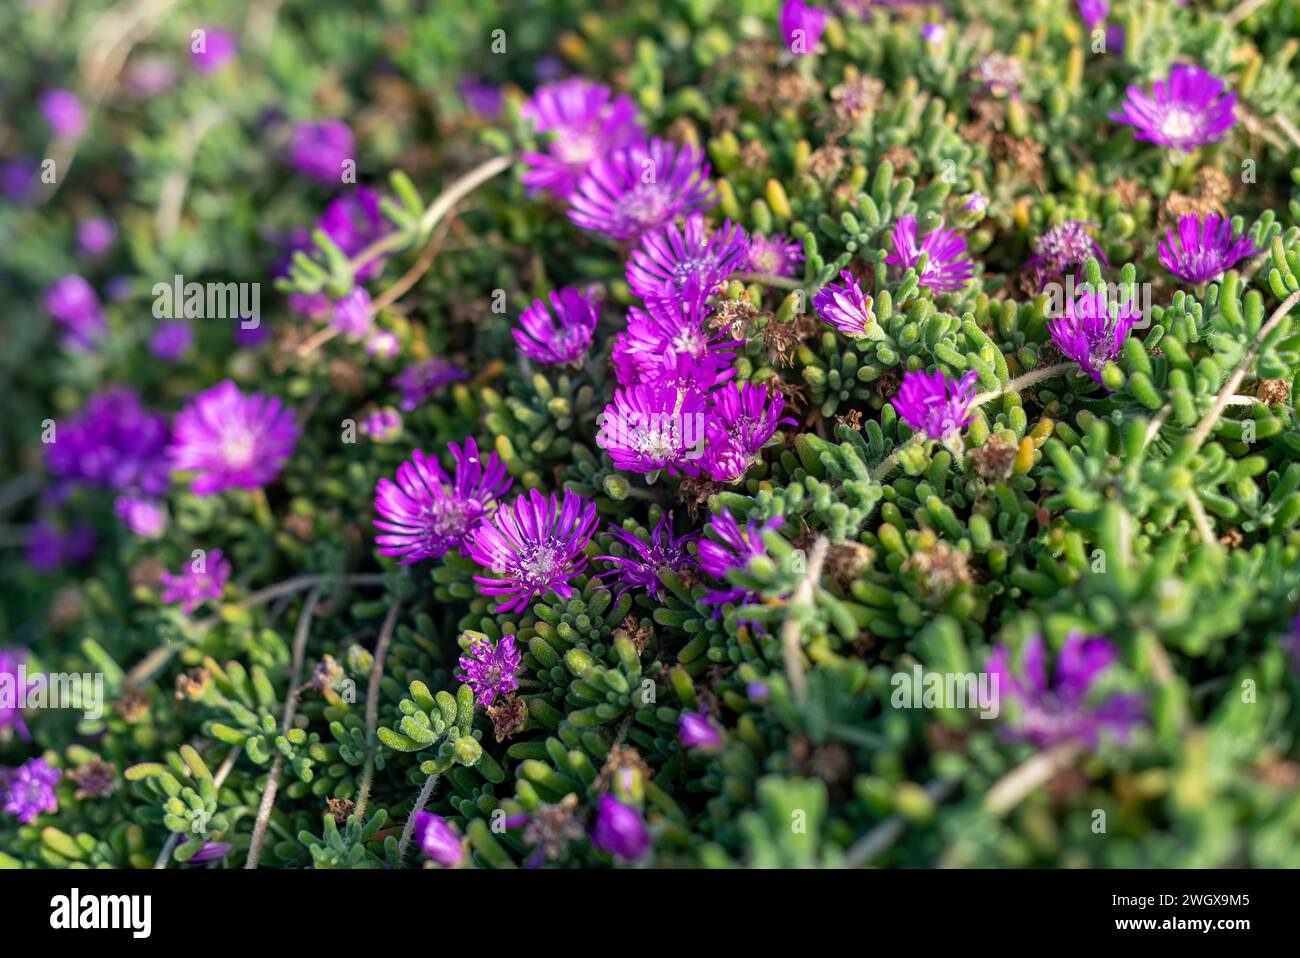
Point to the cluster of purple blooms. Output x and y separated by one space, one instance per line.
28 790
204 578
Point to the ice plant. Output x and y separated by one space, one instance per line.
562 333
437 840
1093 12
114 443
218 47
774 255
742 420
1187 110
638 567
1091 329
419 381
74 304
802 26
1064 709
64 113
669 259
698 731
352 315
95 236
425 512
651 426
11 693
1066 246
201 579
489 668
732 547
619 830
846 307
1203 250
322 150
171 340
28 790
355 221
667 331
631 191
231 439
581 121
932 404
947 267
535 545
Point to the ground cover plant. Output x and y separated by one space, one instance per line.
678 434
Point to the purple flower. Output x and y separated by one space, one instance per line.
147 76
561 334
426 512
1093 12
1090 332
1187 110
64 113
115 443
28 790
146 518
18 177
73 303
1063 247
631 191
639 567
232 440
354 221
933 33
213 49
649 427
698 731
583 123
383 344
929 403
481 98
758 692
619 830
47 548
668 259
1291 643
775 255
204 578
352 316
976 203
171 340
802 26
437 840
742 420
733 548
319 150
95 235
536 543
1203 251
489 668
1060 712
11 716
383 425
846 307
947 267
658 338
210 852
419 381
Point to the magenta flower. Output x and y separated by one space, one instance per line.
202 579
419 381
382 425
383 344
145 517
1187 110
639 188
355 221
115 443
64 113
219 47
698 731
47 548
732 548
95 236
1091 332
846 307
619 830
931 404
583 124
425 512
489 668
536 543
561 334
774 255
232 440
976 203
482 98
171 340
947 267
320 150
74 304
28 790
1093 12
1203 251
11 716
1066 246
802 26
639 567
352 315
1058 712
740 424
437 840
670 330
668 259
649 427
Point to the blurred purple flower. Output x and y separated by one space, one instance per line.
437 840
802 26
74 304
354 221
218 48
698 731
932 404
201 579
115 443
775 255
352 316
232 439
582 121
171 340
619 830
11 716
319 150
64 113
1066 246
146 518
28 790
419 381
95 236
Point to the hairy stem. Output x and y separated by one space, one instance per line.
802 598
409 829
372 707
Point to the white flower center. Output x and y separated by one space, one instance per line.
1178 124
